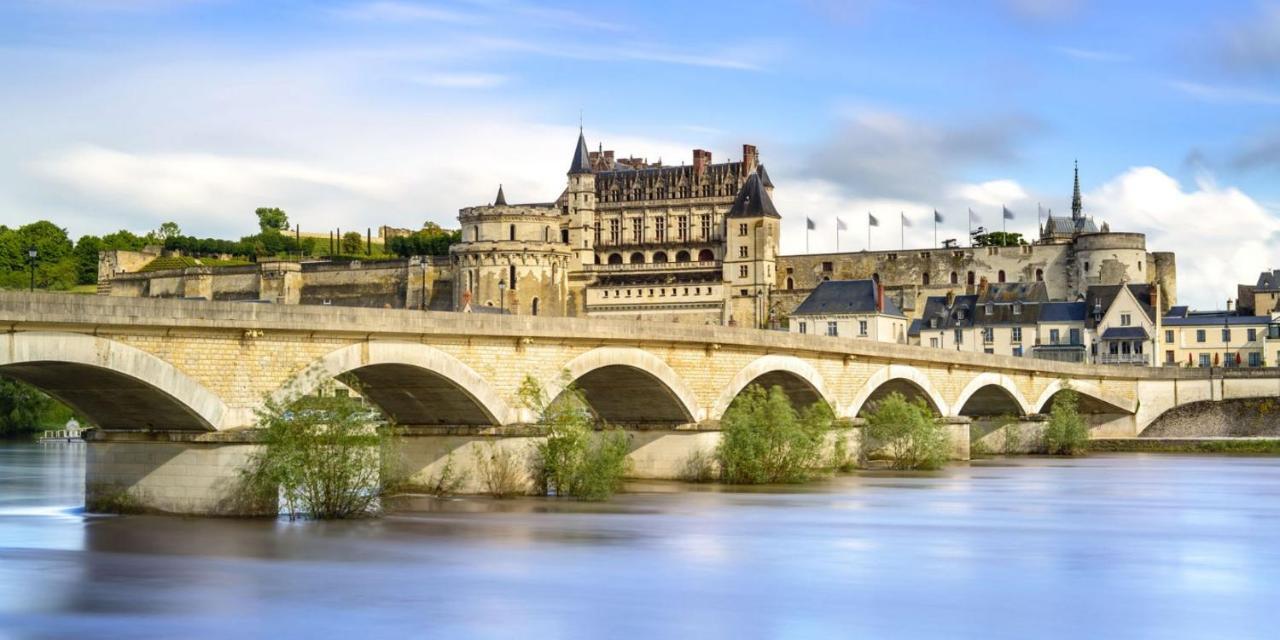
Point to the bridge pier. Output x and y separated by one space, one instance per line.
171 472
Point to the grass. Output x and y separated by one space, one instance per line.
1238 446
182 262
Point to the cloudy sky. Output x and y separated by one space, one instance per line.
349 113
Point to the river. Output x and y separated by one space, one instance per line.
1121 546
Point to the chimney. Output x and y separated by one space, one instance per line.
951 298
982 287
701 158
879 298
750 158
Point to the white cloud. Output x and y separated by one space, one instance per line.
1092 55
993 193
462 80
1226 94
1222 236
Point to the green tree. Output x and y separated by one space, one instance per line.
167 230
765 440
351 241
86 254
998 239
573 460
907 432
272 219
1066 433
25 410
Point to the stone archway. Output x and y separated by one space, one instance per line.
897 377
803 384
630 385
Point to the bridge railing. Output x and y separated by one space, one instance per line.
68 434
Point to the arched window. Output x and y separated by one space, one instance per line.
597 258
791 283
1039 275
971 279
924 279
1000 276
512 230
682 256
511 278
546 234
660 256
535 306
615 258
955 278
637 258
706 255
475 233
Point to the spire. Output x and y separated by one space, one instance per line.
581 157
753 201
1075 196
501 200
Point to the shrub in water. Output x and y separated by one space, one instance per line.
324 456
501 469
908 433
763 439
574 460
1066 433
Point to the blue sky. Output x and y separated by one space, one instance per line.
356 113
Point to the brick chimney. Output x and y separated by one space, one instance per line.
701 158
879 298
750 158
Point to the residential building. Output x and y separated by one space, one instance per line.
850 309
1219 338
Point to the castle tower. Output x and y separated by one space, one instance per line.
580 204
751 253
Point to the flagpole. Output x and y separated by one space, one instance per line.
1004 222
902 231
935 229
970 218
837 234
868 231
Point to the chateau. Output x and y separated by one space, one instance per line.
695 243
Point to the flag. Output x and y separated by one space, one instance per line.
871 220
808 224
937 217
1008 215
905 221
840 225
973 217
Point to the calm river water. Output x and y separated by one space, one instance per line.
1124 546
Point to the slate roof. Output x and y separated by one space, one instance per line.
501 200
581 157
1213 319
1268 281
1015 292
1062 312
753 201
1066 225
1177 312
1125 333
948 316
914 329
764 176
842 297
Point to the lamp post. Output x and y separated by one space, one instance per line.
759 301
1226 335
502 295
32 254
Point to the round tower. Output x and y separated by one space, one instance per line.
580 205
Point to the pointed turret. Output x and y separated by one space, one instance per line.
753 201
501 200
1076 207
581 157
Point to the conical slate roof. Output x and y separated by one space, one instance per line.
764 176
753 201
581 157
501 200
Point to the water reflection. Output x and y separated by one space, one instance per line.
1148 546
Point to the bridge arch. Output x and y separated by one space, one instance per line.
803 384
1093 398
116 385
629 385
905 379
991 394
412 383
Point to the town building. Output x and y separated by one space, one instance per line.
1125 320
1004 319
1219 338
854 309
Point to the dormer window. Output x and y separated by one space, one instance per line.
991 309
1017 308
959 314
933 323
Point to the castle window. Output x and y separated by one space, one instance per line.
615 258
511 277
512 231
742 271
827 266
791 284
682 228
637 230
660 256
955 278
706 255
1086 268
615 231
1039 275
546 234
475 233
597 258
535 307
637 258
742 229
742 251
1000 276
706 227
597 232
660 229
970 279
682 256
924 279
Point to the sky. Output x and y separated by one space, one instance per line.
355 113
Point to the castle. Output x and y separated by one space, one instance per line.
695 243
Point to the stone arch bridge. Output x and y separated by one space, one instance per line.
191 375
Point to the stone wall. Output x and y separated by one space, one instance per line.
1246 417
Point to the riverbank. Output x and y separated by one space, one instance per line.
1225 445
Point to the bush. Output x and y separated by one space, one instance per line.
908 433
1066 433
700 466
841 458
325 457
765 440
570 461
501 470
449 480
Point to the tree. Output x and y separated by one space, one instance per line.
272 219
1066 433
168 230
765 440
908 432
351 242
998 239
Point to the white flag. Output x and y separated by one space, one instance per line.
905 221
840 226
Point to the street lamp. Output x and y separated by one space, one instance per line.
502 294
759 301
32 254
